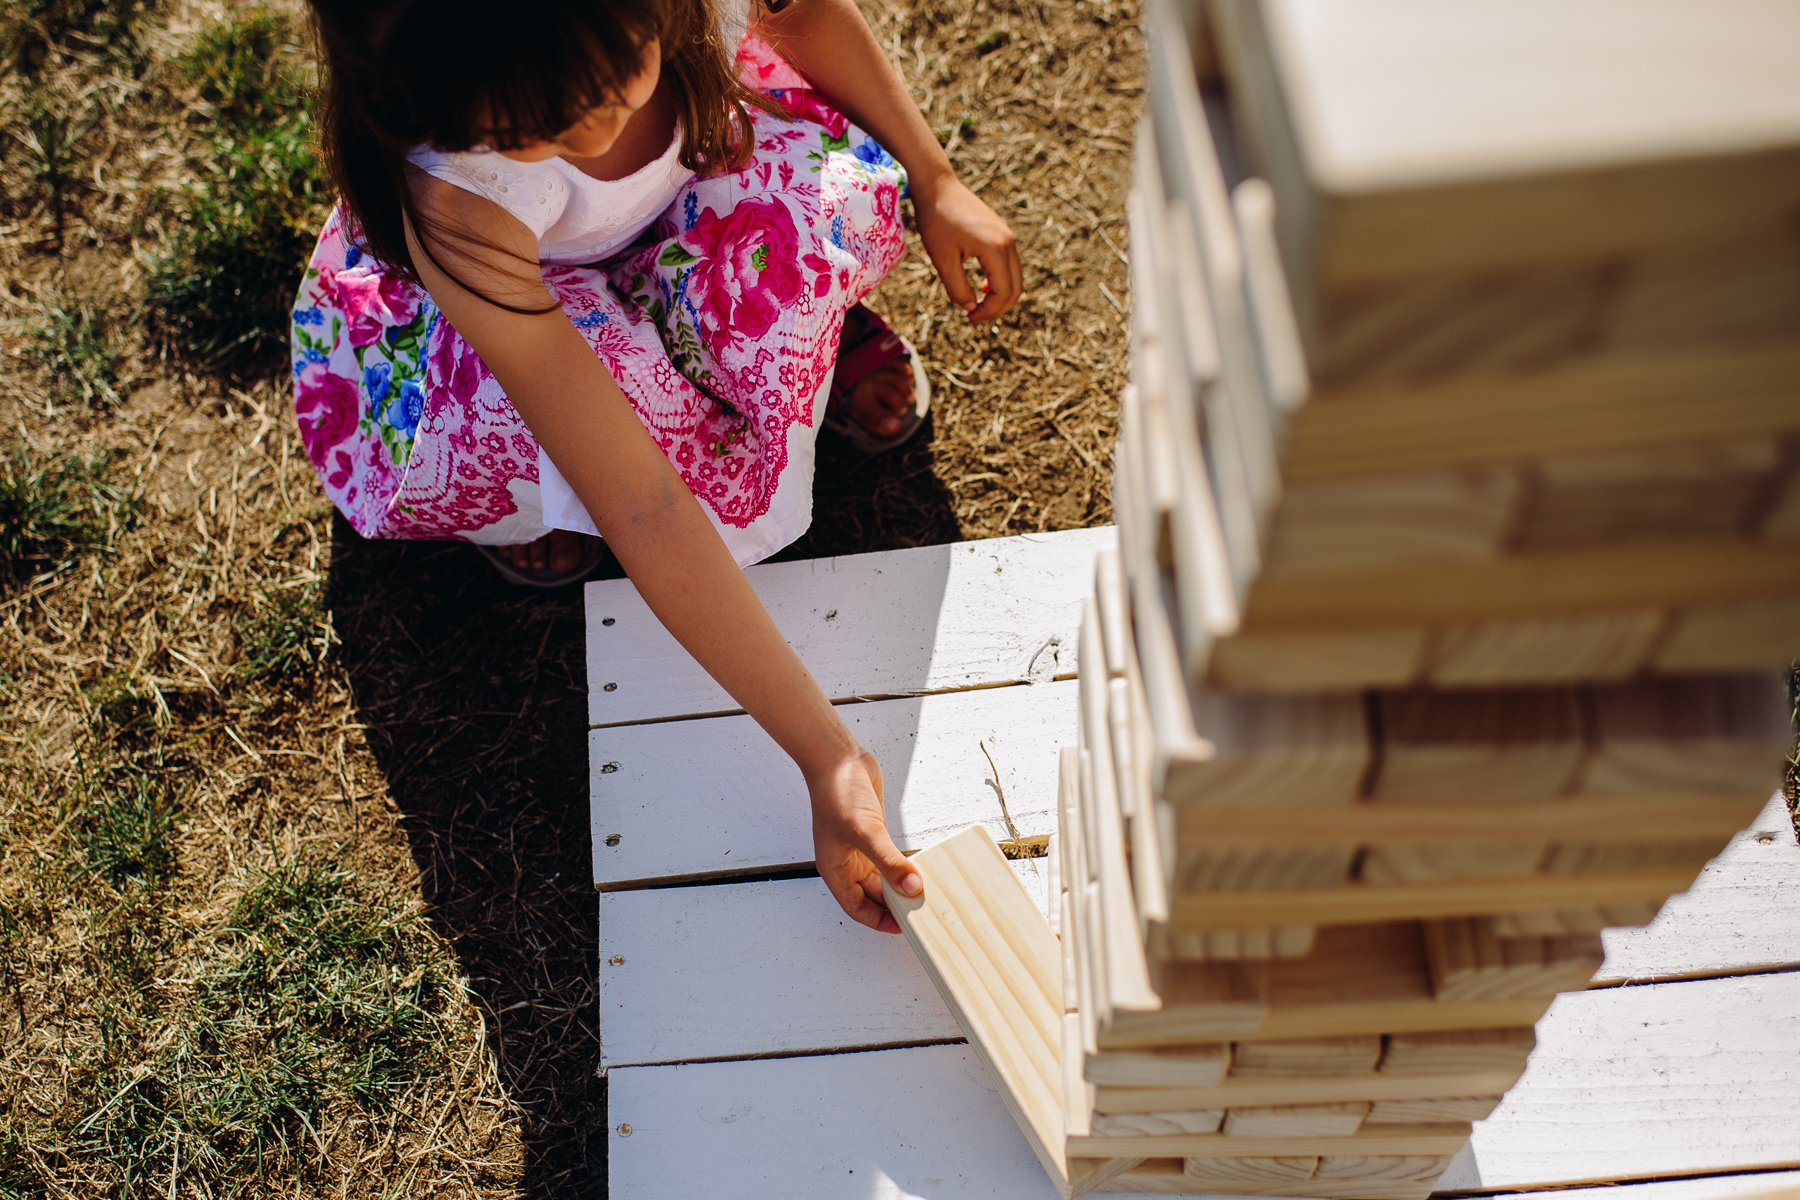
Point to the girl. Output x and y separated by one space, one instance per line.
589 273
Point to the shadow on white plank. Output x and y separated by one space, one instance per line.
687 798
934 618
739 970
1711 1187
1739 914
923 1122
1663 1079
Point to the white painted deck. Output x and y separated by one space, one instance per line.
759 1044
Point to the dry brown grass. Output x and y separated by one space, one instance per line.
438 748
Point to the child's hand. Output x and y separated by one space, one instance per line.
956 226
851 844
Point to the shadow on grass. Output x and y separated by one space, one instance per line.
474 695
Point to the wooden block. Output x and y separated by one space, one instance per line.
1718 733
1152 827
1280 352
1219 945
1201 871
1470 962
1575 858
1250 1170
1645 495
1422 1169
1594 405
1354 524
1313 662
1296 1120
1549 650
1408 1112
1732 637
996 965
1451 1051
1516 587
1274 751
1306 1058
1159 1066
1077 1095
1565 921
1119 947
1164 1123
1470 747
1323 1090
1115 621
1418 864
1363 902
1407 1139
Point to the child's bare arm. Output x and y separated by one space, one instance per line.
829 42
658 531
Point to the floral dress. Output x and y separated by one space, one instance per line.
720 323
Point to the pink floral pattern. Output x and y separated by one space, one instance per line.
720 325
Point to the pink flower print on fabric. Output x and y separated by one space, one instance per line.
328 407
749 269
372 303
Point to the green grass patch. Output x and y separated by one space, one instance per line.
224 291
128 831
52 512
287 631
75 343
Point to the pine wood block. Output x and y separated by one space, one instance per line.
1250 1170
1471 747
1546 650
1163 1123
1732 637
1359 979
1163 941
995 963
1417 864
1410 1112
1469 961
1201 871
1420 1171
1345 524
1274 751
1158 1066
1296 1120
1583 857
1406 1139
1375 1088
1301 662
1597 405
1565 921
1720 733
1306 1058
1450 1051
1646 495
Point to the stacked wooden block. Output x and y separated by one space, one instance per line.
1459 551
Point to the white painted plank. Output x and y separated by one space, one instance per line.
684 798
920 1123
928 619
739 970
1662 1079
1739 914
1711 1187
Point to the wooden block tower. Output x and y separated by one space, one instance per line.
1458 494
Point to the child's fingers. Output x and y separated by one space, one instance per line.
1006 280
949 263
863 902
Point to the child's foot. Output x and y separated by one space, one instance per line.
557 558
879 394
880 401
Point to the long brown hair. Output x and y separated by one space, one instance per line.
459 74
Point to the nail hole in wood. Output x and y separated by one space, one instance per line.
612 839
606 620
610 687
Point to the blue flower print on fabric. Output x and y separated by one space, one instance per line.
837 231
352 256
307 358
871 152
310 316
690 212
407 407
377 381
591 320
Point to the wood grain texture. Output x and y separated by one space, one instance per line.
1643 1081
900 621
1646 495
1423 863
740 970
687 798
1317 662
1251 1170
1306 1058
1548 650
1732 637
1469 747
1274 751
1443 1139
1413 1055
1349 524
1296 1120
1454 1108
1469 962
1718 733
992 958
1378 1089
1161 1066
